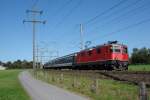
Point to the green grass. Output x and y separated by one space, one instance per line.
107 89
139 68
10 87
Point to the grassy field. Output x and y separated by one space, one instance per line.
139 67
10 88
107 89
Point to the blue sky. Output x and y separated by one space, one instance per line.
61 32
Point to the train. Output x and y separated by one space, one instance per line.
108 56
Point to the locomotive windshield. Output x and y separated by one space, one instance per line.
115 49
119 49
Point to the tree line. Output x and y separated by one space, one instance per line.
140 56
19 64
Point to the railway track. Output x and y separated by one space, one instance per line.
130 77
134 77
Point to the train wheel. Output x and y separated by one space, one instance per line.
114 67
126 67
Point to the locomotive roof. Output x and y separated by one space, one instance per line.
107 44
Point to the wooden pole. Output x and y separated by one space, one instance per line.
143 92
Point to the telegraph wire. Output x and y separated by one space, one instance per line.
106 11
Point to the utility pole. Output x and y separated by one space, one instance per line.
41 62
37 55
81 37
41 56
34 22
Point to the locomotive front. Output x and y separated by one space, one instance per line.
119 56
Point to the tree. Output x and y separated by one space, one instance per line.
140 56
1 63
18 64
8 64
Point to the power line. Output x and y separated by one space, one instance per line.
35 4
126 7
121 16
106 11
60 9
68 14
120 10
63 6
125 28
129 26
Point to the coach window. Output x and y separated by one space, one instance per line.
90 53
98 50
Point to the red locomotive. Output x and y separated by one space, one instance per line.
110 56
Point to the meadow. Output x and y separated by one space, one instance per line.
139 68
10 87
106 89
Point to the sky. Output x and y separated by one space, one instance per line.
126 21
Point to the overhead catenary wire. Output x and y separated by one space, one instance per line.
119 11
125 28
35 4
118 18
106 11
111 33
63 6
126 7
60 9
68 14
